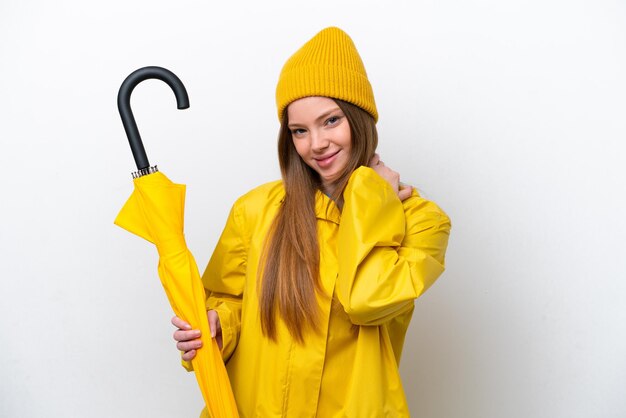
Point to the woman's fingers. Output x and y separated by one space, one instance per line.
189 355
405 192
179 323
213 322
182 336
189 345
188 340
392 177
374 161
215 326
184 331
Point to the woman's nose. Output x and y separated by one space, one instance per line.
319 141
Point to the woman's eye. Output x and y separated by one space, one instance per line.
297 131
332 120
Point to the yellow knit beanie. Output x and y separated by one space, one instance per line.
328 65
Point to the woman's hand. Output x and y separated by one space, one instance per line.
188 340
403 191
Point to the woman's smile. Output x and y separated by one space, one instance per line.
326 160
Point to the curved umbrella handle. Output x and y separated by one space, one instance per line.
123 105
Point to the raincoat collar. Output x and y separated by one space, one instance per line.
325 208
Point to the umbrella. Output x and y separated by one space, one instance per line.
155 211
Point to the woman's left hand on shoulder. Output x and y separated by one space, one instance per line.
393 178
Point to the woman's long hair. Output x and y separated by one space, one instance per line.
289 267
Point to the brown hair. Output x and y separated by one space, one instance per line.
289 268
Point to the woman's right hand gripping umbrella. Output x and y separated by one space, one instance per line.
188 339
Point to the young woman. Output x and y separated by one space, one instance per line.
312 284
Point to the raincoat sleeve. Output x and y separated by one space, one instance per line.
389 251
224 278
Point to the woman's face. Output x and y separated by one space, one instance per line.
321 135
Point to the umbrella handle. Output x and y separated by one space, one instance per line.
123 105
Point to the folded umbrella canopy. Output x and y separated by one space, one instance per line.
155 211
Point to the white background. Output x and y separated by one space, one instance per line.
509 114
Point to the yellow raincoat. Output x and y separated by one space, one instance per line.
376 257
